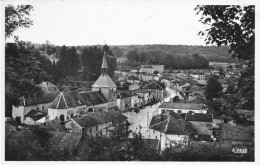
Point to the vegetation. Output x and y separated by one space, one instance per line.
234 26
193 61
213 88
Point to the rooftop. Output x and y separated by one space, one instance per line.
198 117
170 123
46 98
191 106
93 98
68 99
104 81
35 115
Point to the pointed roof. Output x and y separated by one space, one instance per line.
67 100
152 85
104 81
104 62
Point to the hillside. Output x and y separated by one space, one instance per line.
211 53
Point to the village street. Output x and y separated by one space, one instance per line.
142 119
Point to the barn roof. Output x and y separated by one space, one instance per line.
93 98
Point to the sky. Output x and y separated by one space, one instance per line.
112 22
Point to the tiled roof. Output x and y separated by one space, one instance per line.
132 77
152 85
93 98
35 115
104 81
147 67
85 121
170 123
121 95
201 117
68 99
46 98
48 87
95 118
238 132
191 106
8 129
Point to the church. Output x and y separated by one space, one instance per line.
73 103
105 84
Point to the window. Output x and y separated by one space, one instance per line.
42 108
156 137
90 130
179 111
153 131
38 108
96 127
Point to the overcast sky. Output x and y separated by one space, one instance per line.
114 22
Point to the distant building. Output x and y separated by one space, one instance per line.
146 77
149 69
123 101
48 87
180 108
133 79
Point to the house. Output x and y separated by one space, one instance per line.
35 117
123 101
170 129
39 103
95 123
146 95
105 84
147 69
135 99
47 87
182 108
237 134
146 77
159 92
66 105
94 100
133 79
201 123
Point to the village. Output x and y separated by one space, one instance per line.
128 81
156 103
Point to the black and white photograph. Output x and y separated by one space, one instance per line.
128 80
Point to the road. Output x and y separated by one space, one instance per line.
142 119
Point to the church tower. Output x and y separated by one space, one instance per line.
105 84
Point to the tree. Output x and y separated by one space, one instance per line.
16 17
234 26
213 88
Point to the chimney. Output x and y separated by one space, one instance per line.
79 116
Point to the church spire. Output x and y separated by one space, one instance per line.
104 67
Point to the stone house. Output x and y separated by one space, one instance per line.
66 105
180 108
27 105
123 101
170 129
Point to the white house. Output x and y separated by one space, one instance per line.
182 108
66 105
170 129
133 79
27 105
95 123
